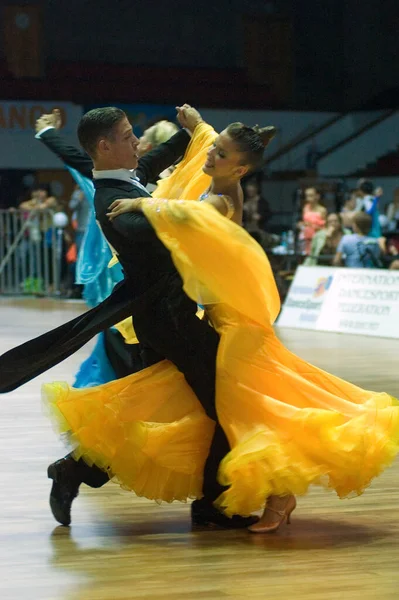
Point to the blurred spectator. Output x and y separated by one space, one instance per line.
359 250
393 212
251 215
155 135
152 137
350 203
80 208
39 229
349 208
257 211
368 202
313 218
326 241
40 199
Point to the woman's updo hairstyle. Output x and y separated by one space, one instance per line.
251 141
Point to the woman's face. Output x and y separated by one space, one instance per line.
311 196
224 161
333 222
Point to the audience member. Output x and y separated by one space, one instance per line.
326 241
40 199
358 249
368 202
257 211
38 231
80 208
155 135
313 218
393 212
152 137
349 208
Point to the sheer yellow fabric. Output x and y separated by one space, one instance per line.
289 423
147 430
188 181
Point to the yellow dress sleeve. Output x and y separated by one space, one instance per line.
207 249
188 180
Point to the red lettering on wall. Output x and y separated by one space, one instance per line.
17 117
34 113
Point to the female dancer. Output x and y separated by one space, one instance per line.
289 424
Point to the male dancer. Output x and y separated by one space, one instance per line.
164 317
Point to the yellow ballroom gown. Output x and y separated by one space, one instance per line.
289 423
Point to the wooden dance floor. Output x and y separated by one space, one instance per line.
120 547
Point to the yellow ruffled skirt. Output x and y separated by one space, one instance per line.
147 430
289 423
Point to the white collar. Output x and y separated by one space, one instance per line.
128 175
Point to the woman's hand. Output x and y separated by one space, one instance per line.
125 205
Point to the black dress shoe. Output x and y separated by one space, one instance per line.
203 513
66 482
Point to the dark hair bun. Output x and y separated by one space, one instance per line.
266 134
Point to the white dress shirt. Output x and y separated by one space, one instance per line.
128 175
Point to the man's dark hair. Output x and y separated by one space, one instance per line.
45 187
98 123
366 186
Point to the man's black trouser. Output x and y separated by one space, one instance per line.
167 327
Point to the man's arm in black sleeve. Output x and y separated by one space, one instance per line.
70 155
134 226
162 157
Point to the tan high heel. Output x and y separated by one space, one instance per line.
283 514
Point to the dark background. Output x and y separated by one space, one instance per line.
304 54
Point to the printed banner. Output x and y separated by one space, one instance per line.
360 301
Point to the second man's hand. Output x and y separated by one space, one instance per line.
188 117
52 119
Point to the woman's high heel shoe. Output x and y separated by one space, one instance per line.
283 514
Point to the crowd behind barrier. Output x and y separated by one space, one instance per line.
31 252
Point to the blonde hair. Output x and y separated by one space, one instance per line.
160 132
